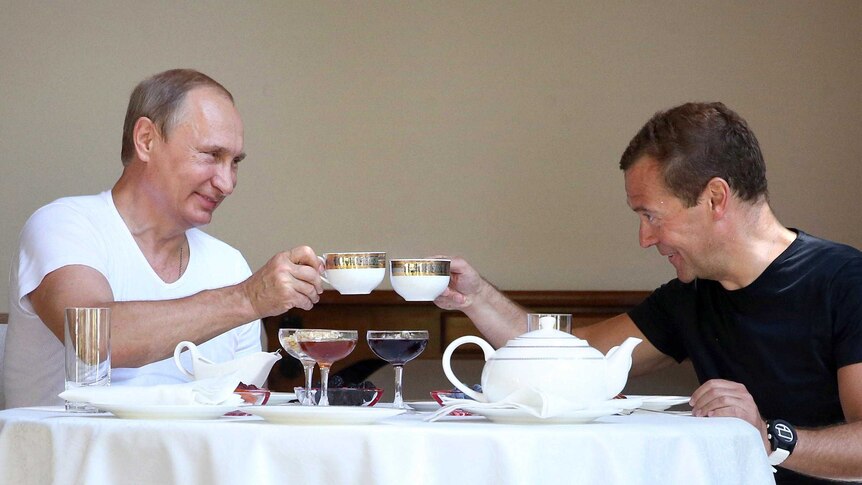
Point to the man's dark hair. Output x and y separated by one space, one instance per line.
160 98
695 142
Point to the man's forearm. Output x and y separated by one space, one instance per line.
834 452
148 331
496 316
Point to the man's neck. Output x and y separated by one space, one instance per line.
145 219
754 244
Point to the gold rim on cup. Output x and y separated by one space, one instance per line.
419 267
355 260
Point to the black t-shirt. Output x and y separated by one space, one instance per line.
784 336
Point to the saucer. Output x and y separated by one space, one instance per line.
158 411
660 403
424 406
278 398
521 416
295 414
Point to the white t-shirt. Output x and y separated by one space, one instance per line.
88 230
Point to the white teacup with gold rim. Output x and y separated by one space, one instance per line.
355 272
419 279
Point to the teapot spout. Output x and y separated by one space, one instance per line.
618 364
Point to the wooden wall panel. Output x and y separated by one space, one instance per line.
386 310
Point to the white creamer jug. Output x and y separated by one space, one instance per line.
250 369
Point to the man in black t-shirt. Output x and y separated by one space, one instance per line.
770 317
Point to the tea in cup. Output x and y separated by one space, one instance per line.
354 273
419 279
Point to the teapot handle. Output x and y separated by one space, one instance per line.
178 350
447 365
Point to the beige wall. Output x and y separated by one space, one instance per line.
485 129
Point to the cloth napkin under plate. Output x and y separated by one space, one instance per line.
537 403
215 391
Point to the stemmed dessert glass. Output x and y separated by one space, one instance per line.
287 337
397 347
326 347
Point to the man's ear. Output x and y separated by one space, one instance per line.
717 194
144 136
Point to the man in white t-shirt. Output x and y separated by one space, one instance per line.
136 250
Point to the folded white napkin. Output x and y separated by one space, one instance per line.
219 390
537 403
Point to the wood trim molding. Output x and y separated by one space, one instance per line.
590 299
593 299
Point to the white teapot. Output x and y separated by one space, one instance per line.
549 361
250 369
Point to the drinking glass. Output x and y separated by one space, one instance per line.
287 337
326 347
87 343
397 347
556 321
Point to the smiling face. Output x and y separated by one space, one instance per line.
680 233
195 166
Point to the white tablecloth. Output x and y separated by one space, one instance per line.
47 445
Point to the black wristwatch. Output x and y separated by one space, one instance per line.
782 438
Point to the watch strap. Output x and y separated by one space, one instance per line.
778 456
782 438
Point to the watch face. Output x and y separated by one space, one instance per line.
781 434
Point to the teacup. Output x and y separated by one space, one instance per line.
419 279
354 273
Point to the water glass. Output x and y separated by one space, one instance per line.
88 351
556 321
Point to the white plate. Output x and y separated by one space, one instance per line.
276 398
660 403
294 414
424 406
520 416
179 411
